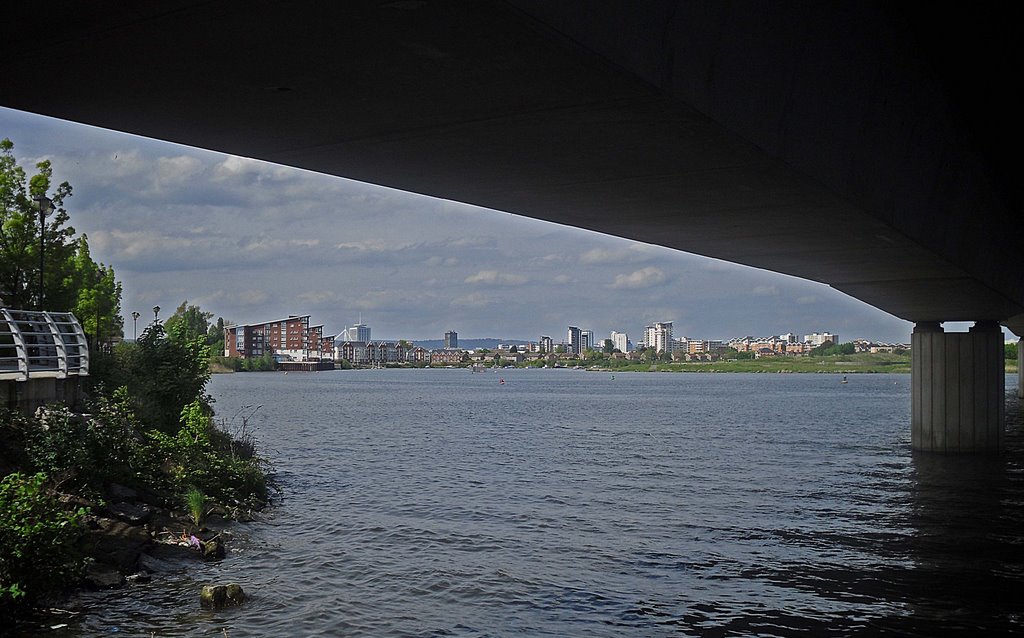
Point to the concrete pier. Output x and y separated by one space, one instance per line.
957 388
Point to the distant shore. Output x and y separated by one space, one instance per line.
862 363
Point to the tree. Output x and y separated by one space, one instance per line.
98 300
72 281
1010 350
194 323
608 346
20 233
163 372
826 349
215 337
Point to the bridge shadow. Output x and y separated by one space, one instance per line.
966 517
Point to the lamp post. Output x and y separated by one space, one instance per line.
99 280
156 314
45 206
135 325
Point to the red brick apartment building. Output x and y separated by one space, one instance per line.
291 339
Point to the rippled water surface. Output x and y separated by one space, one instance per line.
444 503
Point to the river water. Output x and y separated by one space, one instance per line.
569 503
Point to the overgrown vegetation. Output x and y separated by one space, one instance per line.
148 423
126 438
37 539
265 363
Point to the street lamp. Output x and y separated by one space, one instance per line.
99 280
45 206
156 314
135 325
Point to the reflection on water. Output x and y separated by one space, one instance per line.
569 503
968 517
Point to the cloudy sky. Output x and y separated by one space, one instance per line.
252 241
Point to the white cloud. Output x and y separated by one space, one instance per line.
643 278
494 278
438 260
765 291
807 300
631 253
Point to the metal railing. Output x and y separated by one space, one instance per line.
36 344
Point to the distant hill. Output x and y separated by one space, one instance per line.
470 344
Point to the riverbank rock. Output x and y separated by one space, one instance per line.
213 549
220 596
131 513
116 543
101 576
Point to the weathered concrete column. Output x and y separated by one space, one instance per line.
957 388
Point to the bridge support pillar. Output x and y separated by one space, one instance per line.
957 387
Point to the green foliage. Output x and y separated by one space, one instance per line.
162 373
98 299
231 363
195 501
189 323
215 337
37 540
1010 351
72 280
264 363
828 350
82 453
199 456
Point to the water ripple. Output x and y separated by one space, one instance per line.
436 503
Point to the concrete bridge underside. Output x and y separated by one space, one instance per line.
850 143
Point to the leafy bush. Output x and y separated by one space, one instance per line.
83 452
202 457
163 372
828 350
37 540
231 363
265 363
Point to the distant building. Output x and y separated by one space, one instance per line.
586 340
575 340
327 349
704 346
659 337
620 341
358 332
419 354
353 351
445 357
817 339
289 339
451 340
547 346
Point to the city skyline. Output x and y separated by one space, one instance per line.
248 240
